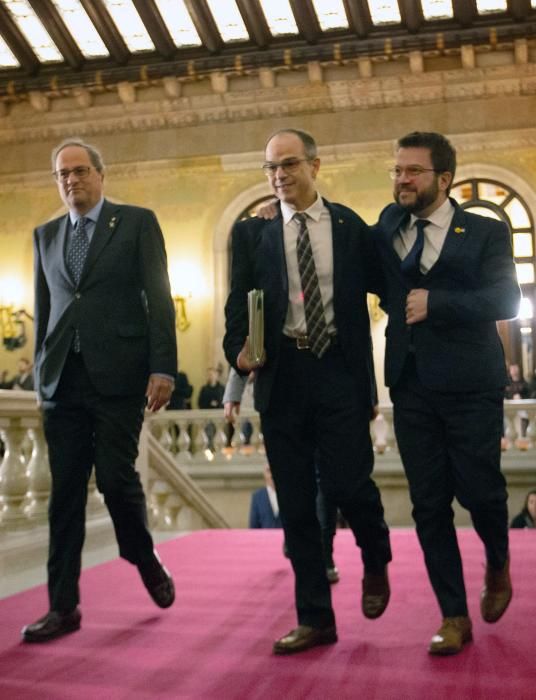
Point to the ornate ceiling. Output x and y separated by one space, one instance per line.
67 43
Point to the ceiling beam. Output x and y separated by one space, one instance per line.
60 35
465 11
306 19
156 27
113 41
17 42
359 17
411 14
255 22
519 9
205 25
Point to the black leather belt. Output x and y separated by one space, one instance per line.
301 342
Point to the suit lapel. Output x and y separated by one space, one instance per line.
57 246
274 247
104 230
455 238
339 232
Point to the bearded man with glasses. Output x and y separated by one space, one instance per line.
105 348
449 277
315 386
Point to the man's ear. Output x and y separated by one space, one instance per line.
445 180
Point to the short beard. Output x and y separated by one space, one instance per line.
422 200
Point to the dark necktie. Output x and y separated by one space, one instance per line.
76 257
317 330
410 266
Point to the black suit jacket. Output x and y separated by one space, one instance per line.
259 263
122 305
471 286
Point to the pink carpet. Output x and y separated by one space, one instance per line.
235 597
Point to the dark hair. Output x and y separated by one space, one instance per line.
309 144
93 153
442 152
526 506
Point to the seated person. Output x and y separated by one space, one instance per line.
527 517
264 510
23 380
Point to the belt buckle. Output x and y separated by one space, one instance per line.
302 342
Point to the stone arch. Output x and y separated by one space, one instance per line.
222 232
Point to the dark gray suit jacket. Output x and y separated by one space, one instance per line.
122 305
259 263
472 285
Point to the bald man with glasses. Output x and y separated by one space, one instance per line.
314 389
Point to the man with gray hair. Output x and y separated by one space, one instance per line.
105 348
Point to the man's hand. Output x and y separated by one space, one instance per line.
158 392
417 306
231 410
243 361
268 211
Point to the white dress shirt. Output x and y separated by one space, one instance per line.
434 235
320 234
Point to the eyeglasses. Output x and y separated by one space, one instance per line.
81 172
289 165
411 171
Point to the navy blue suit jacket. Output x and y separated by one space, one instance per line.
259 263
122 305
472 285
261 514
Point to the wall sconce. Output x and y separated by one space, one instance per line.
181 317
12 327
187 283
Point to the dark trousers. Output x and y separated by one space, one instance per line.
83 429
450 448
326 512
317 421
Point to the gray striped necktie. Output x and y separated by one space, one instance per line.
317 330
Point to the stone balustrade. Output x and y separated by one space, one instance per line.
188 460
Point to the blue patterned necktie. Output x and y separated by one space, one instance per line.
317 330
410 266
76 258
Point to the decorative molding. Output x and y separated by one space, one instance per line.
223 105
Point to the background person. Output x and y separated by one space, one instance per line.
527 516
235 390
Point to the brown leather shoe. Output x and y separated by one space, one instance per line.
158 582
496 594
304 637
52 625
451 636
375 594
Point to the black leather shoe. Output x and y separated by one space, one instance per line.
304 637
158 582
52 625
333 574
376 593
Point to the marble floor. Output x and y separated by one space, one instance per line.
23 558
